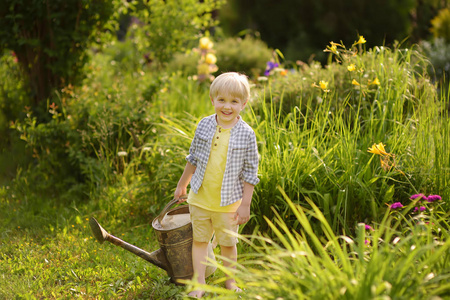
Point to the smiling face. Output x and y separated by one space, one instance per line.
227 108
229 93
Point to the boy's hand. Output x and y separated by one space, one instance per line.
242 214
179 193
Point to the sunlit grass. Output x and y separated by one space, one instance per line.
399 258
318 185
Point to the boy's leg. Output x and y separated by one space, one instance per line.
199 255
230 252
223 223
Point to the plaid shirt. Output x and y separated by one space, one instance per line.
242 158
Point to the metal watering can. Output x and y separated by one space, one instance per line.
175 254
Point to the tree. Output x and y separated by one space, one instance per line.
50 38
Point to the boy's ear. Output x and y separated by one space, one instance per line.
212 100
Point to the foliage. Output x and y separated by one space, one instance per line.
246 55
119 140
48 251
356 75
50 38
441 25
167 27
315 146
400 258
438 52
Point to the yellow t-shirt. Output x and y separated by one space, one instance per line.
208 196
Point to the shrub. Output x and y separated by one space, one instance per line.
355 77
441 25
438 52
167 27
248 56
50 40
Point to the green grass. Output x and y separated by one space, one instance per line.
318 183
401 258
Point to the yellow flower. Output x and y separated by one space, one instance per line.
361 40
378 149
354 82
323 84
205 43
210 59
375 81
333 49
351 67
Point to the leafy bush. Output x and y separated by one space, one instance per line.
441 25
186 63
355 77
167 27
14 95
248 56
438 52
55 58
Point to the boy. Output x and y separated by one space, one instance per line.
222 168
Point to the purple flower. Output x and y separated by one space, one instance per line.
433 198
415 196
421 208
270 66
368 227
396 205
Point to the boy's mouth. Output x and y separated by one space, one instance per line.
227 113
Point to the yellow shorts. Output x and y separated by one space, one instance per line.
206 222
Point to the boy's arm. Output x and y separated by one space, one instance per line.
243 212
184 181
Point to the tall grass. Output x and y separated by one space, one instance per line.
401 258
120 141
318 149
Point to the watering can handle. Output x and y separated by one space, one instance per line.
168 206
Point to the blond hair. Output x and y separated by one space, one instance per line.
230 83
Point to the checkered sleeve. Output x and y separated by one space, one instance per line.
191 157
251 161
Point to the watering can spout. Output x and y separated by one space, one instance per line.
175 254
156 257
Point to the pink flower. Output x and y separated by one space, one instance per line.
433 198
396 205
368 227
415 196
421 208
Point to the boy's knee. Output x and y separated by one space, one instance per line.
200 244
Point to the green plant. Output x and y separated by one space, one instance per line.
56 58
438 51
441 25
246 55
386 261
168 27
